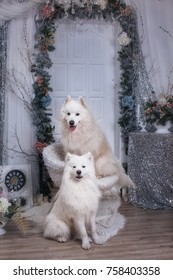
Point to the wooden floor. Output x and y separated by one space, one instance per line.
148 234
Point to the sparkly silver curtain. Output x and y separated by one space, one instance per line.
3 56
150 162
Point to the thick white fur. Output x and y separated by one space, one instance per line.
76 204
87 136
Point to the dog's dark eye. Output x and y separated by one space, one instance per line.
74 166
68 114
83 166
77 114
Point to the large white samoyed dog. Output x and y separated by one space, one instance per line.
76 204
82 134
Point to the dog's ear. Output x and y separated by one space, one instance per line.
89 156
67 99
82 101
68 157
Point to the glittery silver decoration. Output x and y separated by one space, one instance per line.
150 165
142 89
3 56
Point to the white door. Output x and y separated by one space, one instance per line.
84 65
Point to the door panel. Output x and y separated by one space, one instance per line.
83 65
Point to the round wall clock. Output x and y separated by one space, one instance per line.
15 180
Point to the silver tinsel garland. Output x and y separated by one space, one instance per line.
150 165
3 56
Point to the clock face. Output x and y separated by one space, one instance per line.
15 180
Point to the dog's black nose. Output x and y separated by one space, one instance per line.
71 122
78 172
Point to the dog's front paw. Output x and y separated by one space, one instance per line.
86 245
62 239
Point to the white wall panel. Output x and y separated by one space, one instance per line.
96 80
96 45
59 78
97 108
77 80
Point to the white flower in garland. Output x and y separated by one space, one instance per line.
162 100
123 39
4 204
103 4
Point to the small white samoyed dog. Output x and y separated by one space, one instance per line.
76 204
81 134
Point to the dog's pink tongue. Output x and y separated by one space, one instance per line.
72 128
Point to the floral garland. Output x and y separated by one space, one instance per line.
45 43
159 111
108 10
